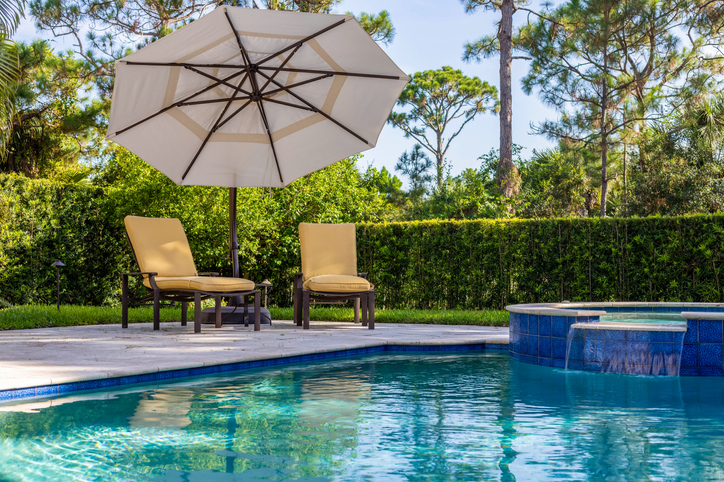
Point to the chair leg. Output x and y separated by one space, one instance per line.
184 312
364 303
156 310
217 311
197 312
356 309
124 302
298 306
371 298
257 311
305 309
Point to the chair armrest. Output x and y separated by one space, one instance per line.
140 273
298 280
209 273
362 275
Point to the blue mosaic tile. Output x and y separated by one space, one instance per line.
646 309
533 345
558 347
576 365
715 310
533 325
689 371
147 377
637 335
710 355
45 391
523 344
696 308
710 331
678 337
23 393
555 363
533 360
711 371
577 333
544 362
559 326
660 309
614 351
212 369
576 319
662 337
593 351
523 324
514 322
108 382
544 347
544 325
514 355
617 335
593 367
88 385
67 388
130 380
663 348
164 375
227 367
594 319
692 331
255 364
674 309
180 373
576 349
689 355
638 352
268 363
496 346
6 395
595 334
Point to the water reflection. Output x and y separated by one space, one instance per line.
431 417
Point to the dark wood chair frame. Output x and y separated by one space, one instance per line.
183 296
364 302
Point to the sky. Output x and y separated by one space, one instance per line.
430 34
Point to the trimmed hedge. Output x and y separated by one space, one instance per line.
493 263
470 265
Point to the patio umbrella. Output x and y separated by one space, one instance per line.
248 97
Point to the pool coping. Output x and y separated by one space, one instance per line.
195 370
576 309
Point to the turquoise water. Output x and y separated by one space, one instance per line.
383 417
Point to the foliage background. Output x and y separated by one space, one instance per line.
473 264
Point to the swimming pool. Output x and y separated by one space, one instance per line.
472 416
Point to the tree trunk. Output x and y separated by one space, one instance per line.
604 120
507 177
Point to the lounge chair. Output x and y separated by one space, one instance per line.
329 272
164 256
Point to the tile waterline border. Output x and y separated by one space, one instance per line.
162 375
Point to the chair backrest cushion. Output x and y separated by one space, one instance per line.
328 249
161 246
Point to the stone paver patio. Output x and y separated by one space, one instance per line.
30 358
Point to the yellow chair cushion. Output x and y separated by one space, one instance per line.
161 246
202 283
328 249
332 283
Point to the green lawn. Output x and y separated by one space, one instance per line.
34 316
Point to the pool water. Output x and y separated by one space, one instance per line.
432 417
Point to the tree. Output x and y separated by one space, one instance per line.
591 57
416 166
55 124
437 99
507 176
10 13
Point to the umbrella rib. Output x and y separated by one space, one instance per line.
209 76
244 53
318 111
306 39
348 74
233 114
208 136
177 104
186 64
281 66
315 79
271 141
289 104
211 101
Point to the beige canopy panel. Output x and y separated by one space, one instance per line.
247 97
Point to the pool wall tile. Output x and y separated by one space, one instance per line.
689 355
559 326
710 331
711 371
556 363
662 337
544 325
692 331
533 325
710 355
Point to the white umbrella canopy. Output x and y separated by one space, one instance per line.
247 97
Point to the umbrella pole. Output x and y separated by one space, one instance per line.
233 241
